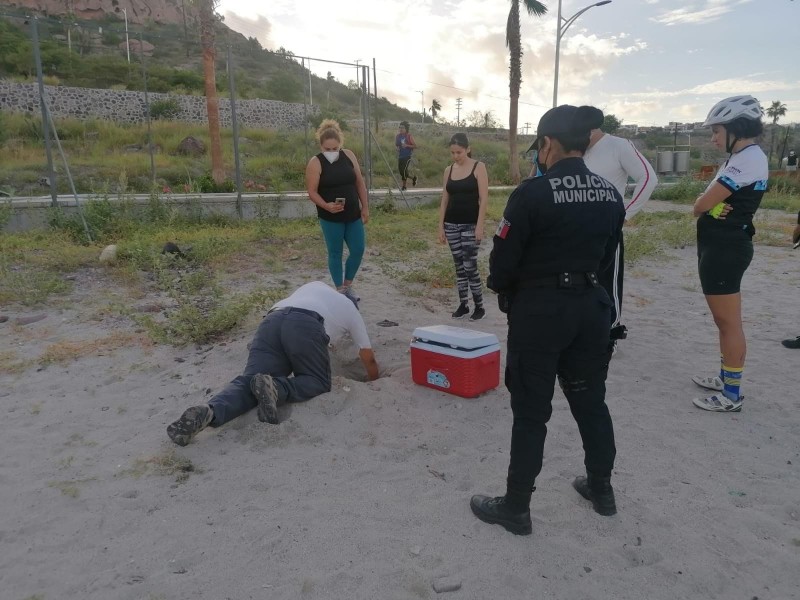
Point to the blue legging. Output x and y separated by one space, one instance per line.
336 236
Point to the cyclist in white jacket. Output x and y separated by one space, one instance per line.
617 159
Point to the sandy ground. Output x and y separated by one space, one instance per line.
363 493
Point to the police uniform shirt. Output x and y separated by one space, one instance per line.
568 220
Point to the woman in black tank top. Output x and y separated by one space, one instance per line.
462 214
335 185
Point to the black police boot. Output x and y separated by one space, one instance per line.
598 490
497 511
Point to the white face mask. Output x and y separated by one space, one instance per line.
332 156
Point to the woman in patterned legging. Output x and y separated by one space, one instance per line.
465 194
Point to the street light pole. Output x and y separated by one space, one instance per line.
422 112
561 29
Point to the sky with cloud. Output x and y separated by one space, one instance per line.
647 61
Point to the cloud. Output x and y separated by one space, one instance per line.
257 27
584 58
710 10
720 88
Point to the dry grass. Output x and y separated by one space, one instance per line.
69 488
167 463
11 363
68 351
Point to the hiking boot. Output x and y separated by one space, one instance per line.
598 490
461 311
498 512
477 314
403 188
192 422
266 392
795 343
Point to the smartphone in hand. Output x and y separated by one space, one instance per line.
339 200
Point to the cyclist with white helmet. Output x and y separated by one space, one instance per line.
724 239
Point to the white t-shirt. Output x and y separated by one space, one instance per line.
616 159
340 314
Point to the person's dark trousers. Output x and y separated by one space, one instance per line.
561 333
612 280
287 342
402 166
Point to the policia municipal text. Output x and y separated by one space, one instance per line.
558 231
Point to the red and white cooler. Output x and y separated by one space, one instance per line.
455 360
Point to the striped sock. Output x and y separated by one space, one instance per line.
732 379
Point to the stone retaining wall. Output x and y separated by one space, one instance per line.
129 107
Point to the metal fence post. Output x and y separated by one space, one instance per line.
235 128
42 104
365 118
147 112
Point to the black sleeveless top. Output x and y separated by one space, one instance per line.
462 207
338 180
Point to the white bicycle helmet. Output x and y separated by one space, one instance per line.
732 108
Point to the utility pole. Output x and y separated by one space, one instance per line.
527 125
458 113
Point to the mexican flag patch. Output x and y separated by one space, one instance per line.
502 228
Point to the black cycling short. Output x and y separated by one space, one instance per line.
722 261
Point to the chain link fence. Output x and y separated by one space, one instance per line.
114 99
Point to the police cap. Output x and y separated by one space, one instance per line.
567 120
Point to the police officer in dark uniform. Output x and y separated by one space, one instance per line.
558 231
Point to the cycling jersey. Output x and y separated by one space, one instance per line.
745 175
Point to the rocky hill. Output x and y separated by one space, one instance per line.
139 11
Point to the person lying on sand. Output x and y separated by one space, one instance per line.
292 340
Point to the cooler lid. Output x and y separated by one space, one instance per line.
455 337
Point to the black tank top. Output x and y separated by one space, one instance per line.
338 180
462 206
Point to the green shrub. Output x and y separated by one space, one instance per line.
207 185
316 120
168 108
6 210
686 190
782 184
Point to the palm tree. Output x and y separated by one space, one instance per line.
208 43
514 43
435 108
775 112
